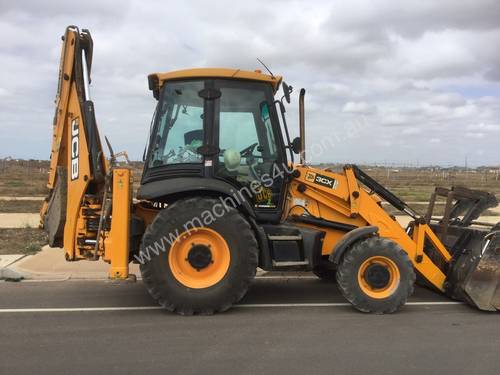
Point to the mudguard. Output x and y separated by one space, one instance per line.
349 239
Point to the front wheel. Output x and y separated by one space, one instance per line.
202 256
376 275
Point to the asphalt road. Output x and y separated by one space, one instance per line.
282 327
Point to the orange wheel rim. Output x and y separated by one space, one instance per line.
199 258
378 277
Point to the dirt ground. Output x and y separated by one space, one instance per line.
23 177
421 208
29 178
20 206
21 240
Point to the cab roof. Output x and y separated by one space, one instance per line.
156 80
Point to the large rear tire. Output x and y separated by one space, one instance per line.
203 270
376 275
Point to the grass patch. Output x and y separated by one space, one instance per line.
21 240
15 183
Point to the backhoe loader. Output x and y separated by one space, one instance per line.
222 194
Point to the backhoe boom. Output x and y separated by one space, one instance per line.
78 168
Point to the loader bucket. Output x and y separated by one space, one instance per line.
482 285
475 275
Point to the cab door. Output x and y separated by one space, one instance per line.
251 153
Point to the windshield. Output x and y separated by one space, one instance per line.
179 129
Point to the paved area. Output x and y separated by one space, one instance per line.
13 220
32 198
50 264
6 260
264 335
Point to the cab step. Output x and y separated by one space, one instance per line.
291 263
284 238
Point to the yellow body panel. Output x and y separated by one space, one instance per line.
116 244
218 73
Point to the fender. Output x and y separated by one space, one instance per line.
349 239
157 189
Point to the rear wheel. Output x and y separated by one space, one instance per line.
202 270
376 275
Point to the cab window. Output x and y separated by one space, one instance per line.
180 125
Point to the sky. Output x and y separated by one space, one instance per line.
404 82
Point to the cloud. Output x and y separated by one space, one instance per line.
358 108
484 127
448 100
410 71
475 135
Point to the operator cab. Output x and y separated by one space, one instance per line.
224 128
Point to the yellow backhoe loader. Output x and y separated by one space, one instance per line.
221 194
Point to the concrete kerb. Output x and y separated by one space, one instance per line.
50 265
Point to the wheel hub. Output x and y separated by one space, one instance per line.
377 276
199 256
199 259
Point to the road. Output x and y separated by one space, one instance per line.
283 326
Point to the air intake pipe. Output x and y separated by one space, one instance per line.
302 129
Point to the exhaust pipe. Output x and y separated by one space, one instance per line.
302 129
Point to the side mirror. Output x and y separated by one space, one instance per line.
286 91
296 145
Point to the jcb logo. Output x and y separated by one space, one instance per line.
321 180
75 149
310 176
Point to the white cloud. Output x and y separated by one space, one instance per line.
411 131
407 69
484 127
449 99
474 135
4 92
358 108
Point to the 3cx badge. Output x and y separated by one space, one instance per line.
322 180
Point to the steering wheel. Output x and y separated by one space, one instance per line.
248 151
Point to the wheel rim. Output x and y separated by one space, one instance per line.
199 258
378 277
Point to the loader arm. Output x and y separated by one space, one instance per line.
339 199
465 266
82 185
